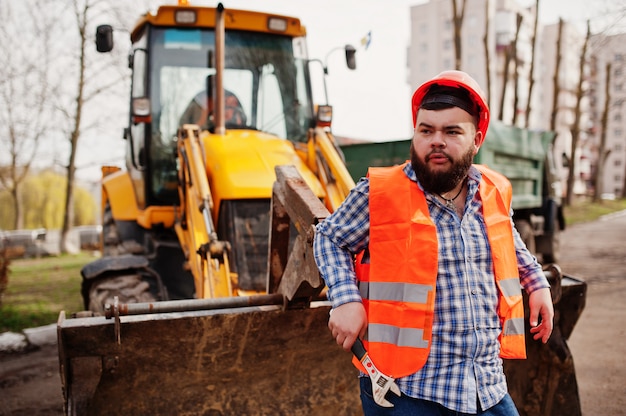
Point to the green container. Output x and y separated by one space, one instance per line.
519 154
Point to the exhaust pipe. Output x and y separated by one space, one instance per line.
220 33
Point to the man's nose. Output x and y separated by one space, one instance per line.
437 139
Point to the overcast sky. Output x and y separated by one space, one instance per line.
371 102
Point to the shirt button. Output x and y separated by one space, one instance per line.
473 291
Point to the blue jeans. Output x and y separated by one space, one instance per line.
408 406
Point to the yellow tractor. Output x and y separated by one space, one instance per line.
206 299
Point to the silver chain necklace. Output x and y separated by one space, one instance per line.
450 202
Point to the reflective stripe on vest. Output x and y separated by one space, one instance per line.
496 195
398 287
398 292
510 288
406 293
402 337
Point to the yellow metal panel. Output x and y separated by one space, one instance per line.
235 20
121 195
156 215
119 191
250 174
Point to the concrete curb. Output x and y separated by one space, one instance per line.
613 215
13 342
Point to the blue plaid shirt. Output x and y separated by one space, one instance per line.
464 364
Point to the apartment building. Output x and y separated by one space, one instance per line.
609 50
568 53
432 50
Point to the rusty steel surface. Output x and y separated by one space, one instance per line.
251 361
268 361
186 305
545 383
294 275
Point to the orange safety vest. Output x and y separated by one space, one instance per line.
398 287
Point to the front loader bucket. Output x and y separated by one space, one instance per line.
545 383
256 360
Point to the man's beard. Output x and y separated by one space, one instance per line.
441 182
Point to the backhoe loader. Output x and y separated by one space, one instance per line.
206 300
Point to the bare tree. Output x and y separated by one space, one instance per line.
487 54
531 76
623 195
24 92
510 54
457 19
89 85
81 13
505 81
556 81
577 116
603 152
516 69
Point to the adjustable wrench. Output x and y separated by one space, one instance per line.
381 383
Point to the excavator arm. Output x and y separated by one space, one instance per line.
206 255
325 159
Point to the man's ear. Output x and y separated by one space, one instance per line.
478 141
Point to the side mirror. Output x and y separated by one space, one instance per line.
140 110
324 115
351 56
104 38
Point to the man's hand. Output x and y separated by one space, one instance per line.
347 322
540 303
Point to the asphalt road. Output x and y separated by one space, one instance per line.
594 252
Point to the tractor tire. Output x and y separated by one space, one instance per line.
130 288
525 231
112 244
110 238
553 244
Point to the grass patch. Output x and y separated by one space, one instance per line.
38 289
585 211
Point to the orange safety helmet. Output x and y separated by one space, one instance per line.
456 79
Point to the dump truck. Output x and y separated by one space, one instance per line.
206 299
524 156
545 383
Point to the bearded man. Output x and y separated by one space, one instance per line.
424 265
